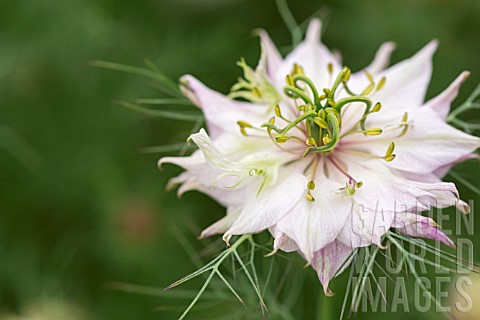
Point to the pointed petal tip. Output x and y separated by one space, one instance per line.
463 207
432 46
314 30
329 293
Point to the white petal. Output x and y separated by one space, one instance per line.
428 144
415 225
282 241
406 82
313 56
328 261
365 227
271 205
223 224
384 191
221 113
313 225
441 103
382 58
273 57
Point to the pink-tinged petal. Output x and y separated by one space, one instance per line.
461 206
282 241
313 56
442 103
223 224
382 58
415 225
443 171
272 56
365 227
406 83
382 190
221 113
312 225
271 205
428 144
328 261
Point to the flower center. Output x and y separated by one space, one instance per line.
319 116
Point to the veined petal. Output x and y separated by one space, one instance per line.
428 144
442 103
406 82
383 191
313 56
328 261
443 171
365 227
271 205
256 164
415 225
313 225
221 113
282 241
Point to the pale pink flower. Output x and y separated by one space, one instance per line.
326 171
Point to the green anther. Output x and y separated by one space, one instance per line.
244 124
368 89
374 132
311 185
243 131
381 83
377 107
289 80
310 197
369 76
321 113
311 142
281 139
346 75
330 68
350 190
257 92
390 150
278 112
320 122
326 139
390 158
358 184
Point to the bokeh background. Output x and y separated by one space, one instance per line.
81 206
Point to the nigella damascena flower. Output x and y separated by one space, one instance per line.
327 160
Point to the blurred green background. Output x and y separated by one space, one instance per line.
81 206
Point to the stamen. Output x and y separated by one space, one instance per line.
404 124
389 155
381 83
330 68
377 107
368 89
